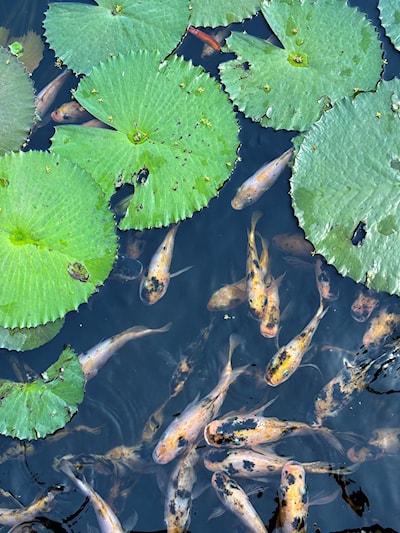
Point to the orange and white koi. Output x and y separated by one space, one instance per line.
384 441
364 305
269 325
324 281
262 180
48 94
106 518
228 297
293 499
70 112
185 428
155 284
294 243
12 517
178 503
218 36
380 327
256 270
288 358
236 500
97 356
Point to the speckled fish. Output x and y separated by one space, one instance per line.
288 358
269 325
178 503
324 281
294 243
293 499
364 305
256 270
236 500
70 112
155 284
262 180
228 297
106 518
12 517
48 94
97 356
185 428
384 441
380 327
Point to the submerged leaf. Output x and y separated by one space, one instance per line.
21 339
53 216
345 187
33 410
175 137
223 12
113 27
390 17
328 50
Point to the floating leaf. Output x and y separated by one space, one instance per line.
345 187
390 17
221 13
329 49
33 410
175 140
33 48
53 215
16 103
113 27
21 339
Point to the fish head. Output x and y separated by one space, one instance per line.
279 369
169 447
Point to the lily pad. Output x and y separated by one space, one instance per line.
328 50
175 137
345 187
36 409
113 27
21 339
57 238
17 108
223 12
390 17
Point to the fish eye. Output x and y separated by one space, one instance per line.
66 116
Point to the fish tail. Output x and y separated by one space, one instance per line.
255 217
234 341
330 437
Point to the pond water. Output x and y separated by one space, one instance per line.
135 382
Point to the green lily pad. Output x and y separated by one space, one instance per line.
21 339
223 12
57 238
329 49
175 137
17 107
390 17
36 409
345 186
111 27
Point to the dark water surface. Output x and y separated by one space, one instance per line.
134 383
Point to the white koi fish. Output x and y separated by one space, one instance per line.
256 269
106 518
236 500
262 180
293 499
269 325
12 517
185 428
97 356
48 94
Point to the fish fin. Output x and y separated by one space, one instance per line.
181 271
262 408
330 437
312 366
322 498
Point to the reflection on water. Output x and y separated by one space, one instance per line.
129 395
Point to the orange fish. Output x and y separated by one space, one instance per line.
293 499
294 243
70 112
228 297
269 325
380 327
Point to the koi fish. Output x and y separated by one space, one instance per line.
48 94
95 123
269 325
364 305
236 500
70 112
155 284
97 356
324 281
257 464
186 427
262 180
203 36
380 327
12 517
228 297
293 499
255 272
384 441
288 358
178 503
106 518
219 37
294 243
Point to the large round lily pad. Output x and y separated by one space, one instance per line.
346 187
221 13
17 103
36 409
175 137
57 239
328 50
90 33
